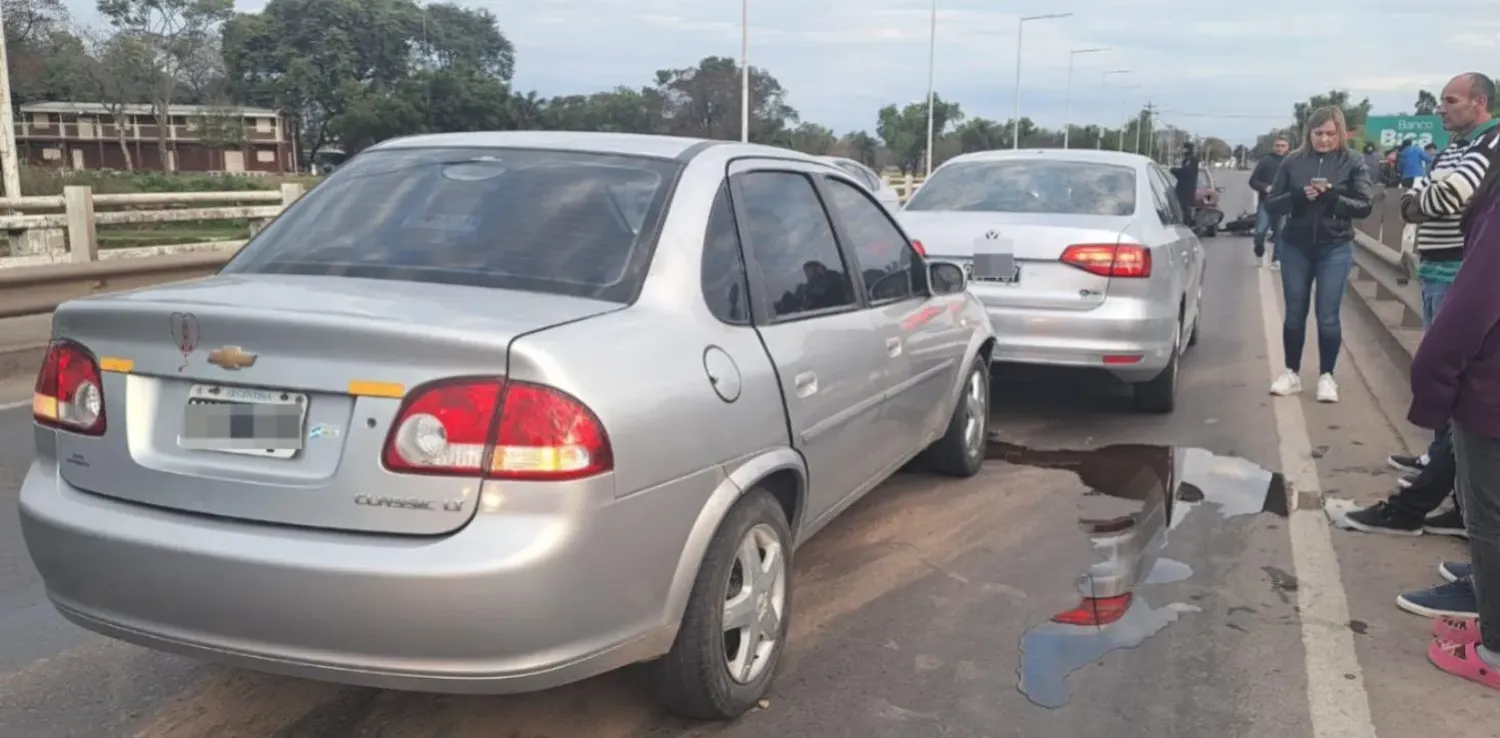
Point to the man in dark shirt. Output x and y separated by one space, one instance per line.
1187 184
1260 181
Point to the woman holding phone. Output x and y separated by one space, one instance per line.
1321 188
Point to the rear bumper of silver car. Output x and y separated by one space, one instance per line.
1119 338
478 611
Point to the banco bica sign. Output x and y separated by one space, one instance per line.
1388 131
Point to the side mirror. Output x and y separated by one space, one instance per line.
946 278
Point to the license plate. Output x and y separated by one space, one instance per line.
243 420
1012 276
994 258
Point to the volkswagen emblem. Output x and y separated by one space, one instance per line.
992 234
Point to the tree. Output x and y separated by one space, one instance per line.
120 74
1426 103
811 138
861 147
1354 114
47 61
904 130
1216 150
176 35
704 102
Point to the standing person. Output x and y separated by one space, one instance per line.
1260 181
1372 159
1455 381
1186 172
1437 206
1411 162
1322 187
1431 150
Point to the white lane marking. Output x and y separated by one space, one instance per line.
14 405
1338 705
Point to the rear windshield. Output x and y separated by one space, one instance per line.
544 221
1029 186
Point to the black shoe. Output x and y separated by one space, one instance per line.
1449 522
1382 517
1408 464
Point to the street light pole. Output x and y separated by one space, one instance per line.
1137 118
1103 83
745 71
12 175
931 80
1068 97
1015 125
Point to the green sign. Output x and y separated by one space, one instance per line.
1388 131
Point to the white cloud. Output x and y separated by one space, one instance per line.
1230 69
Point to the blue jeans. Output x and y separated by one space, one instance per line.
1327 267
1432 299
1264 222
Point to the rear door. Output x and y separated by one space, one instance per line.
1184 243
923 338
829 352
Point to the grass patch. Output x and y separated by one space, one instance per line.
51 181
167 234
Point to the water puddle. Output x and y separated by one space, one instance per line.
1159 486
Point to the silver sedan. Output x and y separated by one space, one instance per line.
495 412
1081 258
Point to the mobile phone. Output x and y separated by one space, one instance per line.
1320 182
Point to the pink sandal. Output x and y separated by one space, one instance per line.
1455 629
1462 660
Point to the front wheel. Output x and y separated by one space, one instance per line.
960 451
735 626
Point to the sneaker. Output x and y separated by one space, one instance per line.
1275 266
1408 464
1383 517
1287 384
1463 660
1455 598
1328 390
1407 481
1456 630
1449 522
1455 570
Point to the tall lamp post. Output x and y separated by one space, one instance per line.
1103 84
1068 98
12 175
1121 145
1015 125
745 71
931 79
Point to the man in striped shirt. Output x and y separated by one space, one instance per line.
1436 204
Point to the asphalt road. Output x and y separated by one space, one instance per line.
920 608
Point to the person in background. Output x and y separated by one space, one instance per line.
1411 163
1432 151
1436 205
1372 158
1260 181
1388 175
1322 187
1186 173
1455 383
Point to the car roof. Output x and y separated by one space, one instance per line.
630 144
1119 158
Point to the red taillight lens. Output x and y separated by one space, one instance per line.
921 250
1095 611
541 433
1110 260
69 391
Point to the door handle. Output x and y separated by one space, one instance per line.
807 385
893 347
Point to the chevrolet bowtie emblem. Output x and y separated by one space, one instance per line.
232 358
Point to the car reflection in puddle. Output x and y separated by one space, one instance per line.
1162 485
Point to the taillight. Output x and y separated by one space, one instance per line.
917 245
497 429
1095 611
1109 259
69 392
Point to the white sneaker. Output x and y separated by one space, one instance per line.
1287 384
1328 390
1275 266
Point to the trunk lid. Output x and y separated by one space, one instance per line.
341 350
1038 242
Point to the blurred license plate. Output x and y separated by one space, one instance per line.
243 420
994 258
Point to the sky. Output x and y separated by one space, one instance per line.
1231 73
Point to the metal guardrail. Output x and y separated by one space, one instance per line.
39 290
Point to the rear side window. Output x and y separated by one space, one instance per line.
723 277
566 223
1041 186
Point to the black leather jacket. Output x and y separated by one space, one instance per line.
1330 218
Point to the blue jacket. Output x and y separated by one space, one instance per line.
1413 161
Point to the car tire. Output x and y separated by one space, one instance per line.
1159 395
694 679
960 452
